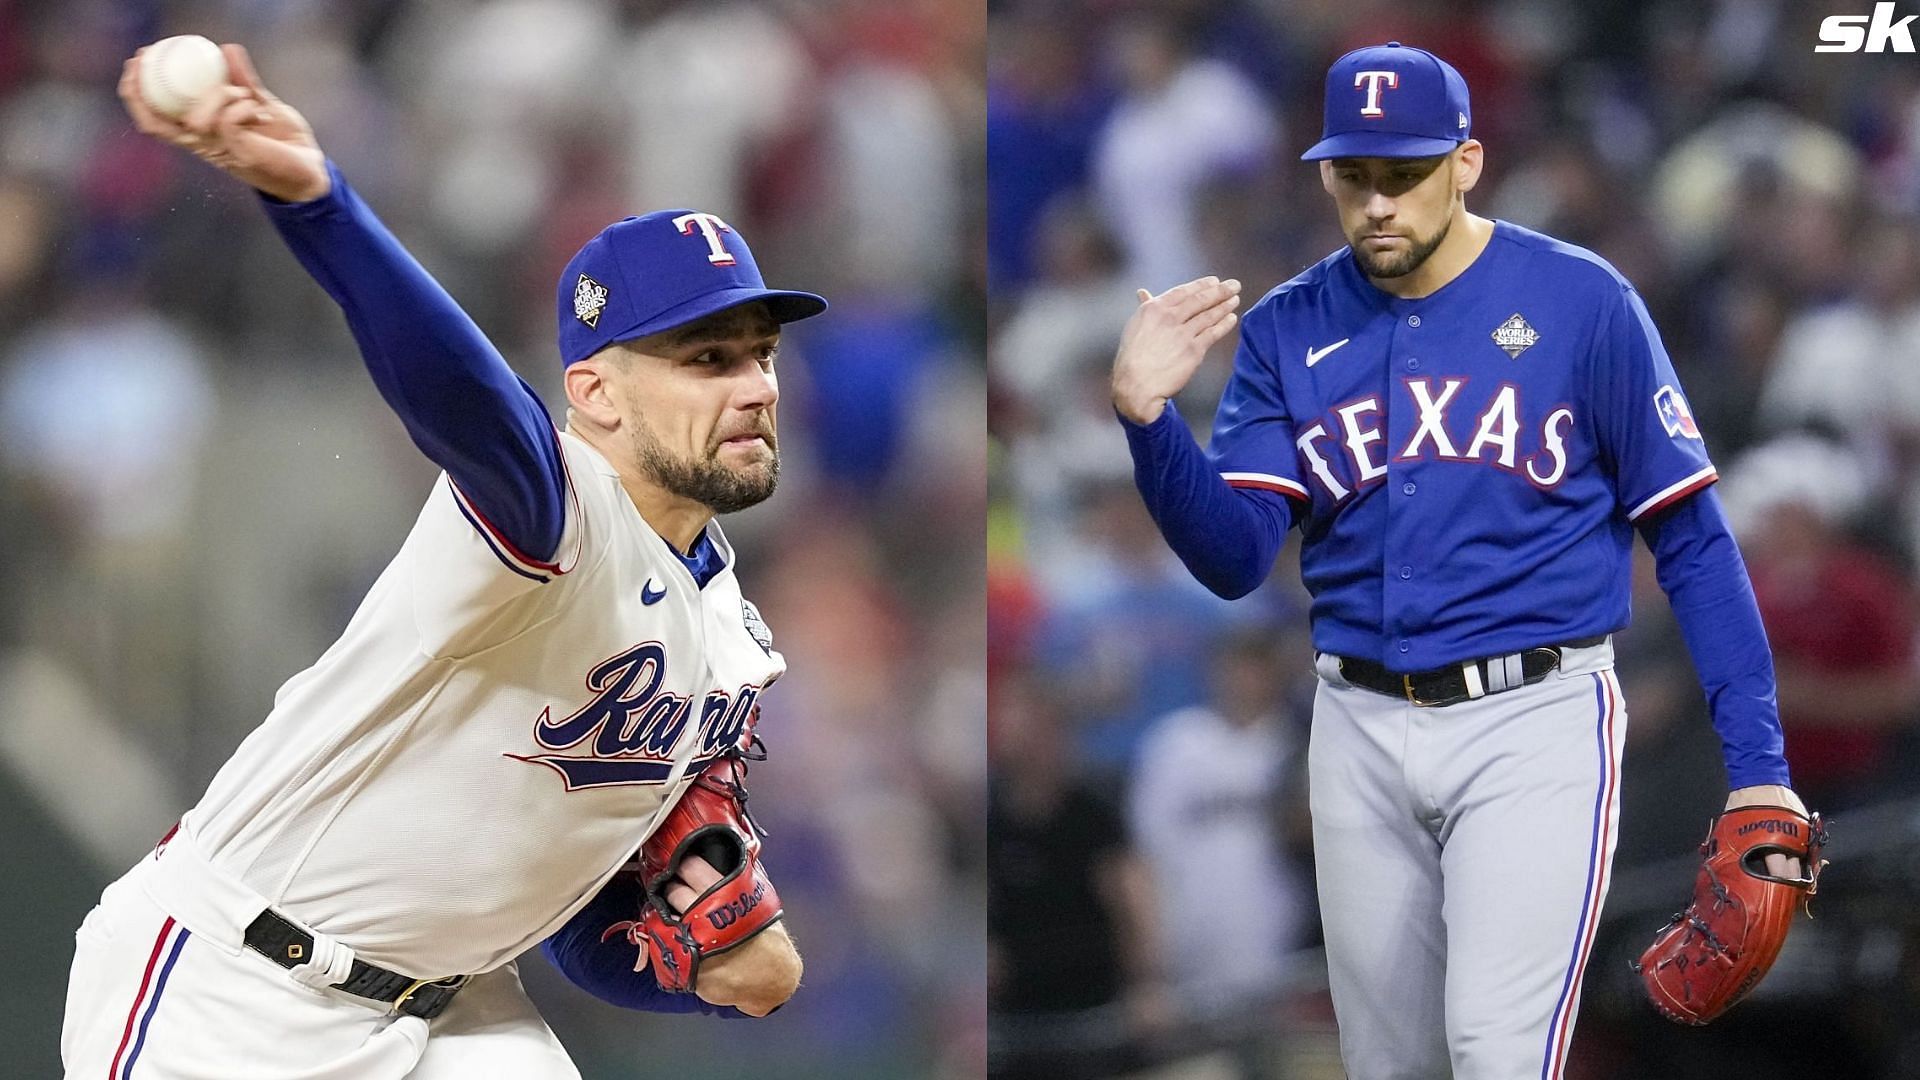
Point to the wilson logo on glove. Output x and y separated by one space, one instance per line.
727 914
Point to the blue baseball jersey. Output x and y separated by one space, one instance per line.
1466 467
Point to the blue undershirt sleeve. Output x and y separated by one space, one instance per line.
605 968
1228 537
1705 579
461 403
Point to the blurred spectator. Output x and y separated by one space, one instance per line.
106 406
1073 947
1182 120
1214 805
1853 366
1706 188
1743 321
1130 633
1044 107
1839 616
707 90
103 413
1070 320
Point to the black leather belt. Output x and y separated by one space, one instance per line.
289 946
1464 681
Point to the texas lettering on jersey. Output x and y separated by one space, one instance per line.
634 725
1493 437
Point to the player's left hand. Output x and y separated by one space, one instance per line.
1722 944
709 899
1785 866
696 875
755 977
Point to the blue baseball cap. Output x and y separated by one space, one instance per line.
646 274
1392 101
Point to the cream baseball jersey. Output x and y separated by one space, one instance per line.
492 736
462 774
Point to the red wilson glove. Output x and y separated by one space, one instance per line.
710 821
1712 954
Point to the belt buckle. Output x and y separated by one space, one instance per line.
454 981
1406 684
1413 698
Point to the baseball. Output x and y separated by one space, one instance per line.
174 73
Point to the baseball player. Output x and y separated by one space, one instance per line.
1468 421
556 666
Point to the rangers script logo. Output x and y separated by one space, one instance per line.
635 726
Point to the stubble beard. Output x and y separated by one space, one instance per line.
705 479
1393 265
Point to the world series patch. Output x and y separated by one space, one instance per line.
1515 336
756 625
589 299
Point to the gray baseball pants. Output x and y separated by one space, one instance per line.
1462 856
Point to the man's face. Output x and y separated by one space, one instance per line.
1394 211
698 404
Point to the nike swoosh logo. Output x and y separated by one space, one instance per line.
1314 355
648 595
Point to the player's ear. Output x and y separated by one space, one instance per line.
1468 160
590 392
1326 175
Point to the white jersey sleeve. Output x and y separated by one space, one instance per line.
466 575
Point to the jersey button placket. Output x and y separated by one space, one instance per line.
1396 599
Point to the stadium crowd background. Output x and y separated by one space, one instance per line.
198 481
1146 739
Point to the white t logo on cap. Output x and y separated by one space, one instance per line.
710 227
1372 80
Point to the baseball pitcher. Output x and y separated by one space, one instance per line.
534 731
1469 421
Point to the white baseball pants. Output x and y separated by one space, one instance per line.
163 989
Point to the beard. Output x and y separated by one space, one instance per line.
1400 264
705 479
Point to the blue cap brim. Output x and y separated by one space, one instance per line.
784 305
1380 144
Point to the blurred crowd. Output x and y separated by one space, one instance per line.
198 482
1766 202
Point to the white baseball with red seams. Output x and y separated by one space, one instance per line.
175 72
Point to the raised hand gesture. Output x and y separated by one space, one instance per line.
1165 341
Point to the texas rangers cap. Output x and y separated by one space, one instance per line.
646 274
1392 101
